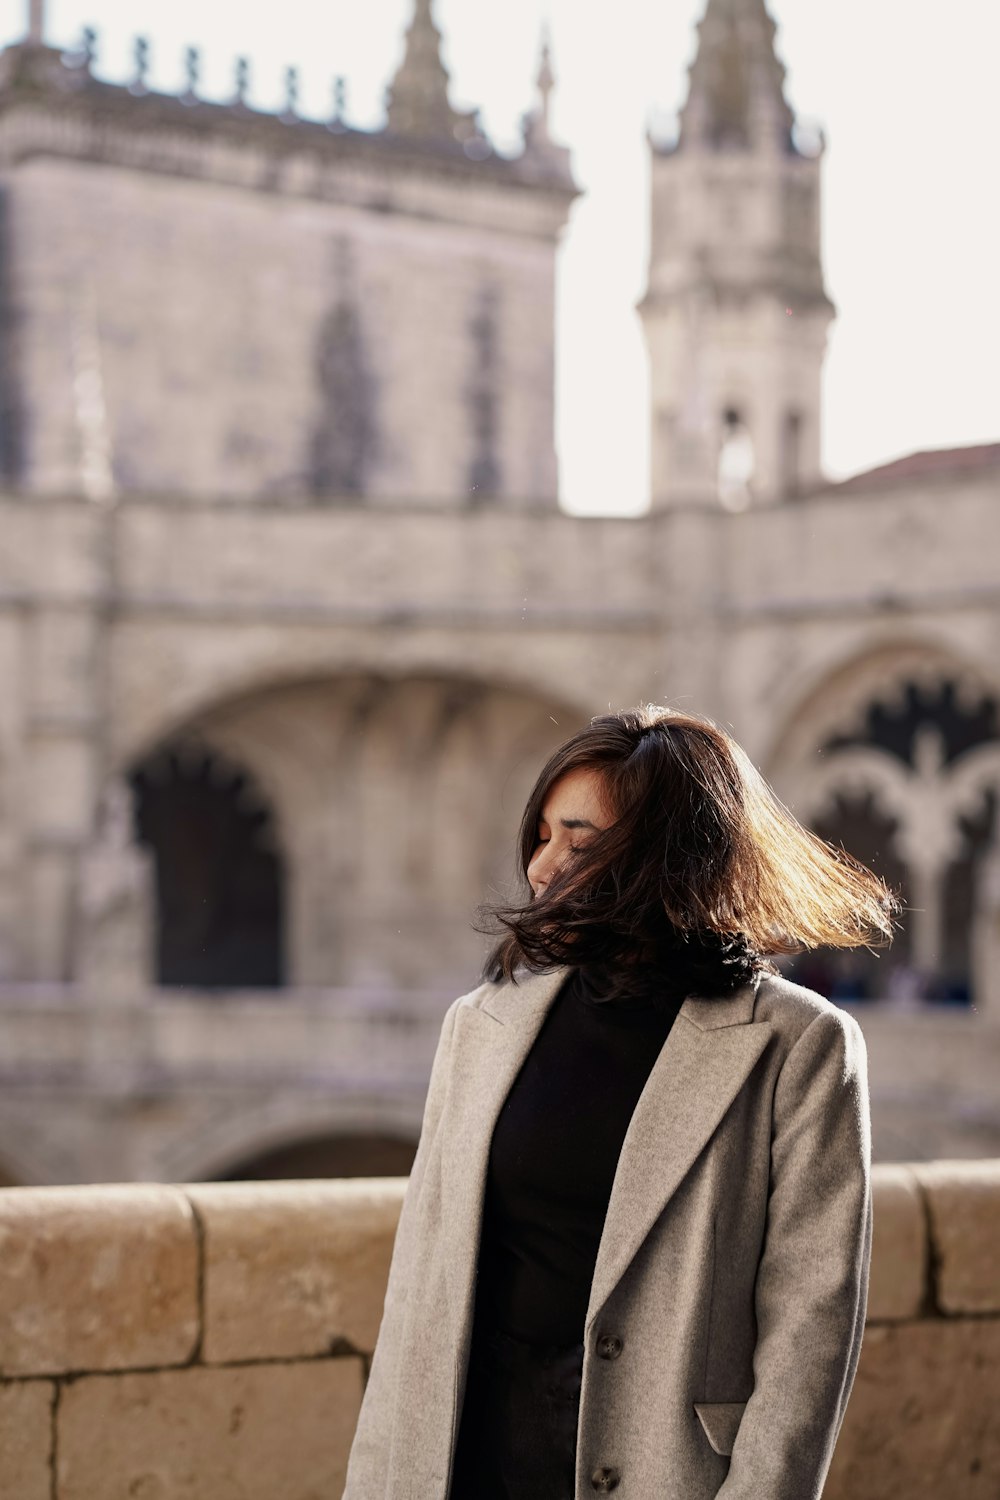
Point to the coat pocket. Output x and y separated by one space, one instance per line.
721 1421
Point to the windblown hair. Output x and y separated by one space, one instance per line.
701 863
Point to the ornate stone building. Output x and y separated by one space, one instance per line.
289 615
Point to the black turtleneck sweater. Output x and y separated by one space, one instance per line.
554 1153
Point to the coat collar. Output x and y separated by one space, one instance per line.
519 1004
708 1054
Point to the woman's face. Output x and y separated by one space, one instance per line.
573 812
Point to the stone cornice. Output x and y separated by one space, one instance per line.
308 168
783 283
58 111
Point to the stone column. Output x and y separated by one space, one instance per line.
115 906
926 915
58 755
986 940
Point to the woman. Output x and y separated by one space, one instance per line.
634 1247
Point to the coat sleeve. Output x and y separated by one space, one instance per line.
811 1289
368 1465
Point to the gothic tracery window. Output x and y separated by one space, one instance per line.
911 789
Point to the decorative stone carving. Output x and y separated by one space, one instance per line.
928 792
345 437
483 397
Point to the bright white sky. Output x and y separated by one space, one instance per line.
905 89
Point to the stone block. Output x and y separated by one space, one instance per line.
921 1421
898 1283
251 1433
96 1278
26 1439
294 1268
963 1199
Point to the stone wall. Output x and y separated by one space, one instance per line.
198 1341
254 344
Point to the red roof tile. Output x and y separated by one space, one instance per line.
976 459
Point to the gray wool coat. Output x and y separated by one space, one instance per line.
733 1264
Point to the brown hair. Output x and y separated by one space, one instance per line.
701 862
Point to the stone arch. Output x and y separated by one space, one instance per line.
196 684
838 691
215 1151
397 797
896 756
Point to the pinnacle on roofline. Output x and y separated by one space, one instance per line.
420 116
417 102
35 36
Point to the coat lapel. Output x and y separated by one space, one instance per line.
490 1044
704 1062
707 1057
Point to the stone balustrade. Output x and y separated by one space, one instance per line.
236 1076
199 1341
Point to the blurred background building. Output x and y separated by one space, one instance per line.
290 616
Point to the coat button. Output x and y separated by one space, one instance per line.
609 1346
605 1480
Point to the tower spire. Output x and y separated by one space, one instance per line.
418 103
736 97
736 311
36 23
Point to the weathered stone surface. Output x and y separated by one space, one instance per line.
253 1433
96 1278
921 1422
25 1439
964 1202
292 1267
237 399
898 1282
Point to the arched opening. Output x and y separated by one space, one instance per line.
8 1178
855 821
736 461
398 801
219 875
326 1156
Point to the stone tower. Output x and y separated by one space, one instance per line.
736 313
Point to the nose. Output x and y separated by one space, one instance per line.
543 865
